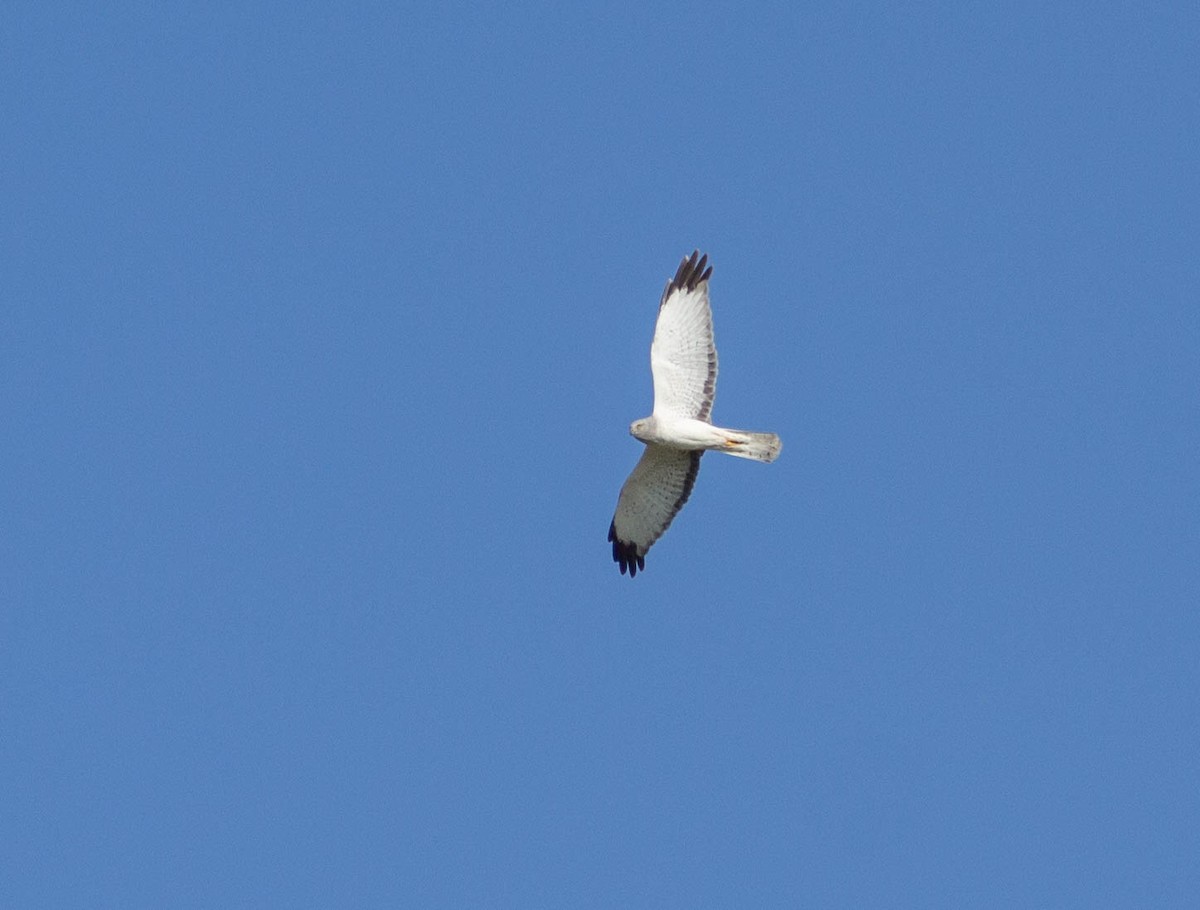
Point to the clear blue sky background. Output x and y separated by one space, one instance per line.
322 328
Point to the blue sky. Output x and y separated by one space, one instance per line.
323 327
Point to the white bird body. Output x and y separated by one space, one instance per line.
688 434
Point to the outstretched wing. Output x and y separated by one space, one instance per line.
683 357
660 484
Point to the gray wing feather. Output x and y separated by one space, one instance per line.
660 484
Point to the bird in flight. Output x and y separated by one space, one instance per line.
683 362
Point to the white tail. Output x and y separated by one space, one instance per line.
763 447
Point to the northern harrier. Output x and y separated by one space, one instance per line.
683 361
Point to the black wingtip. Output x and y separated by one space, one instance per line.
693 270
625 555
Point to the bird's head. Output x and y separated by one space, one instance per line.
641 429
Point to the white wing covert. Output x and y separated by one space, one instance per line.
683 357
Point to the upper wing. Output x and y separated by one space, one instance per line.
683 357
660 484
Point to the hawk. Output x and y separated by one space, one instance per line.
683 361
